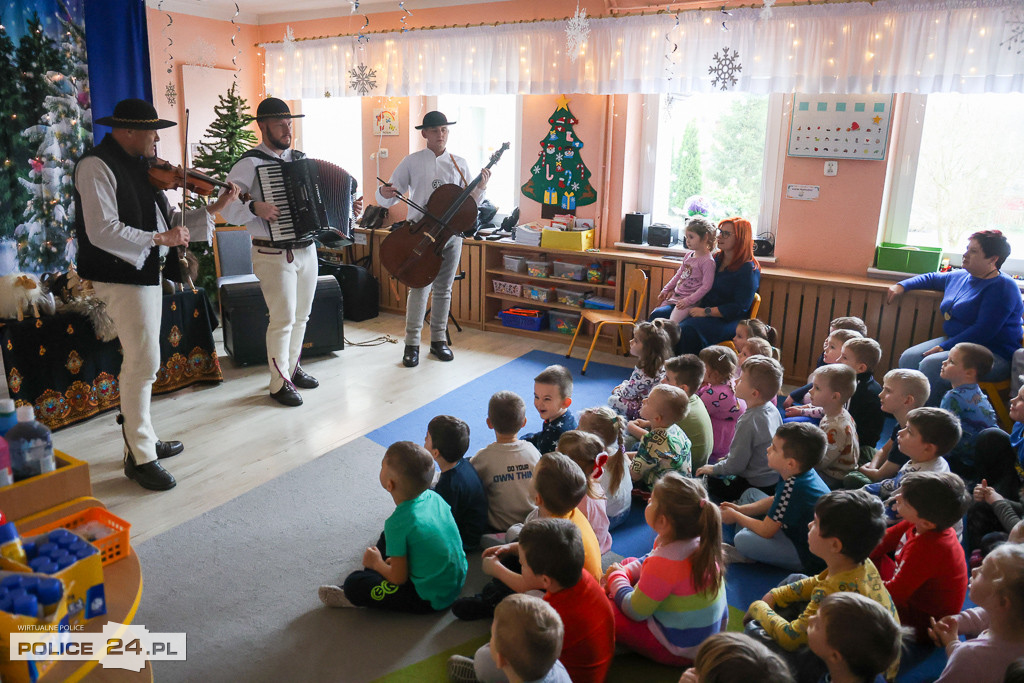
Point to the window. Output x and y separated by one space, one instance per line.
720 146
960 170
332 131
483 123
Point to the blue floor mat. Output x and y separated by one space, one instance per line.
469 402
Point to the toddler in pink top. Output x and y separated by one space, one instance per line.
587 451
719 398
696 274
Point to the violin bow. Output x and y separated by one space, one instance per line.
182 260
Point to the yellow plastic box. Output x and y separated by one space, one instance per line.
570 240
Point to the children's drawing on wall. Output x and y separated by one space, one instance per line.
840 126
385 121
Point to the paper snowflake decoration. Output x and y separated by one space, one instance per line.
725 68
362 79
171 93
1015 32
577 30
289 41
202 53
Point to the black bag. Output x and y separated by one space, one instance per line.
373 217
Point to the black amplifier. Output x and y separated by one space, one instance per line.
661 235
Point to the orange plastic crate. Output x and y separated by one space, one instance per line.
113 547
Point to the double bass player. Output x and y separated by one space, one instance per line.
417 176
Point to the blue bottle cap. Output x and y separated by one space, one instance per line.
62 537
16 593
50 591
30 583
42 565
47 548
11 581
30 548
27 605
77 547
6 605
85 552
65 560
8 532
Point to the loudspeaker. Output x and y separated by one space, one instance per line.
764 247
661 235
634 228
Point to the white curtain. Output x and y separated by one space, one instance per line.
918 46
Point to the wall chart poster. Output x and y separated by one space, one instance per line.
840 126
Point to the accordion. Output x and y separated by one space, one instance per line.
314 198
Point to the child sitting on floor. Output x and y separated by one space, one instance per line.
551 554
795 450
997 588
833 351
755 346
856 638
663 445
865 407
841 323
719 398
419 565
747 463
846 528
587 451
831 387
729 657
669 600
552 396
696 273
687 373
506 466
650 346
962 368
753 328
447 441
607 425
902 391
526 639
920 558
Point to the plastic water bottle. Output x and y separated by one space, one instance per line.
49 592
8 416
31 446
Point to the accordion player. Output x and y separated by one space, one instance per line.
315 200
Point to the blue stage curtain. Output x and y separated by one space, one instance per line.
117 46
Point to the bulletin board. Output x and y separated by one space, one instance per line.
840 126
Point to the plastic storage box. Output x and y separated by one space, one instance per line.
507 288
516 264
524 322
906 258
538 268
113 546
600 302
544 294
564 321
570 271
570 297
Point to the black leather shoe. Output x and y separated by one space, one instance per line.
168 449
287 396
150 475
441 350
411 357
303 380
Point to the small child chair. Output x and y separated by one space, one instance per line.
636 292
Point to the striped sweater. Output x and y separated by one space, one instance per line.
659 589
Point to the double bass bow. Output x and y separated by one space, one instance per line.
412 252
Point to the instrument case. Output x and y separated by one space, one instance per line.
245 317
359 288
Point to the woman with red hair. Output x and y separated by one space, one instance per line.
737 277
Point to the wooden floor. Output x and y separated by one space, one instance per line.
237 438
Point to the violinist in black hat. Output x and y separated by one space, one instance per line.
124 228
287 271
416 177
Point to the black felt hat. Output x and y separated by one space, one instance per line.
273 108
135 114
434 118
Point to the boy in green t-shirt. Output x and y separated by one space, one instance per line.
426 568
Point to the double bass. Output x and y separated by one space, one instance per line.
412 252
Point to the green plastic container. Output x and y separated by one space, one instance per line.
907 258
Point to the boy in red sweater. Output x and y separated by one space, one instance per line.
920 559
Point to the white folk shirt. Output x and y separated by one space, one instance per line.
422 172
98 189
243 174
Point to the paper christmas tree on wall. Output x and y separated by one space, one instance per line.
559 179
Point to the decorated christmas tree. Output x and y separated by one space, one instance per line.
560 180
13 147
46 237
36 56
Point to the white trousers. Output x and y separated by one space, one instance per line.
441 299
288 281
136 312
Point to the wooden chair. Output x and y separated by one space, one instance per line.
636 293
754 308
995 392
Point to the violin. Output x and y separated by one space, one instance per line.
164 176
412 252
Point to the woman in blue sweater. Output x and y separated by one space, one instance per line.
979 305
737 276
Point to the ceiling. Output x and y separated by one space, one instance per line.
269 11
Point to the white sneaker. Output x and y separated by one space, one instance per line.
334 596
461 670
734 556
